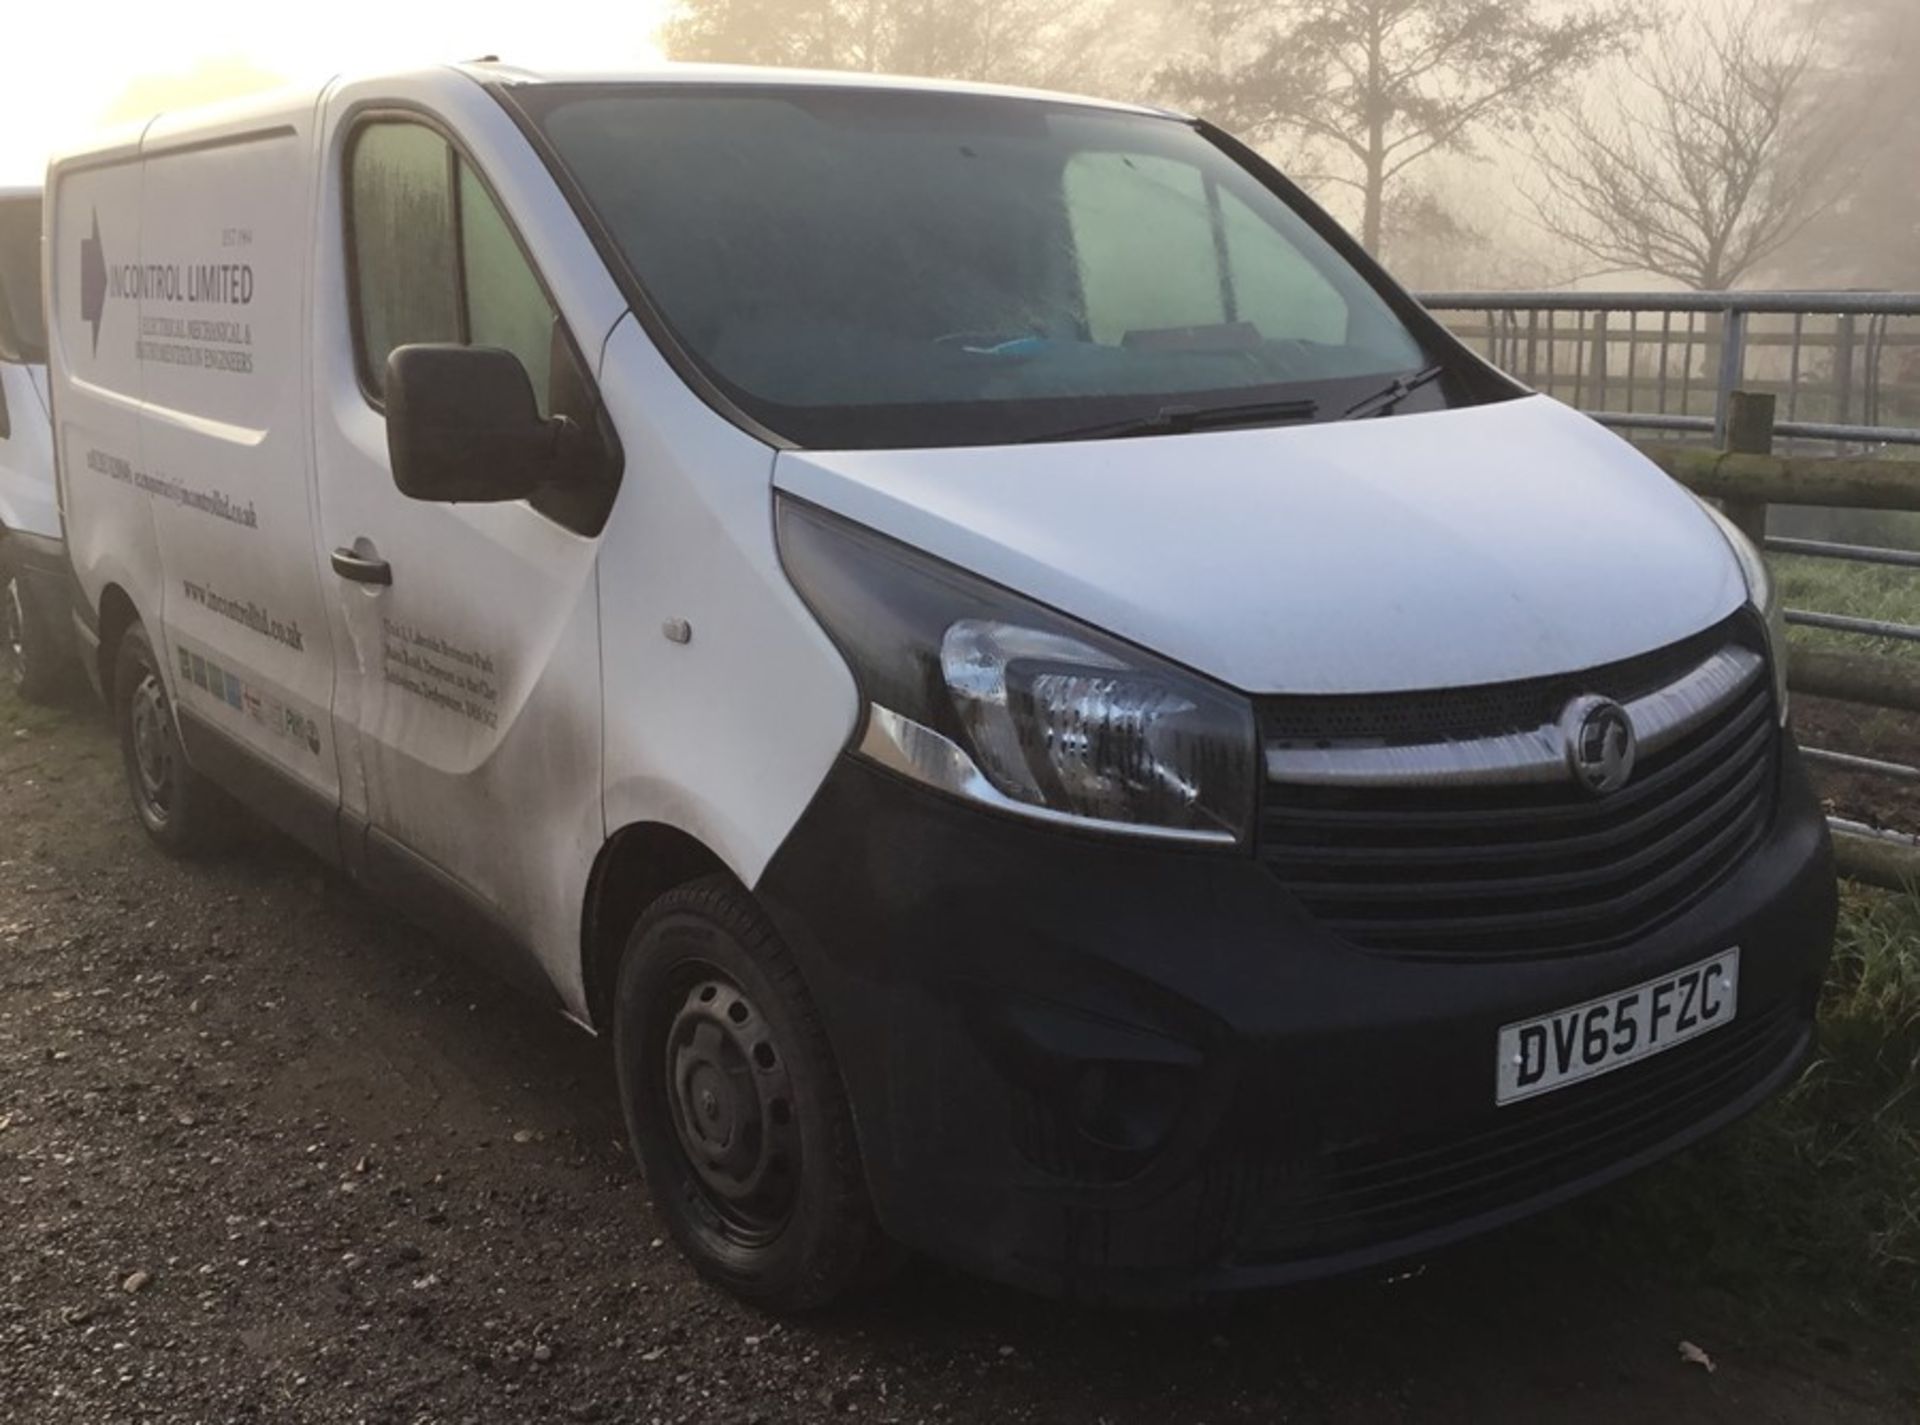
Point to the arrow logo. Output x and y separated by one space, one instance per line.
93 281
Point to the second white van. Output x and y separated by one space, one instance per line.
1055 716
36 629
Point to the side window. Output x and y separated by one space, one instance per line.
406 278
505 304
434 259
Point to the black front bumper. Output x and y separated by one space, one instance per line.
1128 1072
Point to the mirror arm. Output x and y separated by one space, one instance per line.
576 447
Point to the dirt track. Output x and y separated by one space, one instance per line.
365 1183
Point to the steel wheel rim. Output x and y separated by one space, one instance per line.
153 748
14 648
731 1102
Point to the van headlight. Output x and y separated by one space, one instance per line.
1764 594
992 698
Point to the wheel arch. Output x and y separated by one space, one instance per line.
638 864
117 615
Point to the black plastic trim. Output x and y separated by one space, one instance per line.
428 895
308 816
456 913
972 971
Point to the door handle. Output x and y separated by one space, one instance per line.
361 568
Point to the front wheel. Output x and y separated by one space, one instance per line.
181 810
735 1106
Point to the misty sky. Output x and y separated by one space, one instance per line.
71 61
77 64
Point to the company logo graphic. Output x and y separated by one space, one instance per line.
93 281
1600 743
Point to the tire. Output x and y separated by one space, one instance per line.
735 1107
183 813
33 664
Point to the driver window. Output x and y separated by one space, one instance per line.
434 259
505 304
404 275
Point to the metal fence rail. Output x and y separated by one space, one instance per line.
1730 374
1845 366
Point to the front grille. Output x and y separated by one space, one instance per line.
1393 1189
1459 713
1481 872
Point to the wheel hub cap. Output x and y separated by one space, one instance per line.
153 745
731 1103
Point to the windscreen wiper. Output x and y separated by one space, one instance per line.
1178 420
1380 402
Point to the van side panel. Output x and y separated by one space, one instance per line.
226 460
728 735
93 261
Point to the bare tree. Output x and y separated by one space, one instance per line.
1703 156
1383 84
1049 42
1871 235
1433 245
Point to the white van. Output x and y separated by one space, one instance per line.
1055 716
36 635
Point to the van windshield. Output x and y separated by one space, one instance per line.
862 268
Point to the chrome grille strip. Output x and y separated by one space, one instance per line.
1660 719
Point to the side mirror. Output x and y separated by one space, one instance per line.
462 425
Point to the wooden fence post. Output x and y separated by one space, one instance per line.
1597 366
1749 432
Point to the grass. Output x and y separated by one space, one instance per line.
1849 1133
1875 591
1812 1209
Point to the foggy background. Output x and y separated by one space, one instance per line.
1470 143
1477 143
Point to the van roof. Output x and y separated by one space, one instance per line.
491 71
173 124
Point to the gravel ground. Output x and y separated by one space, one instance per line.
266 1153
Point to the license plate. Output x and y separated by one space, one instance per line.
1608 1033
